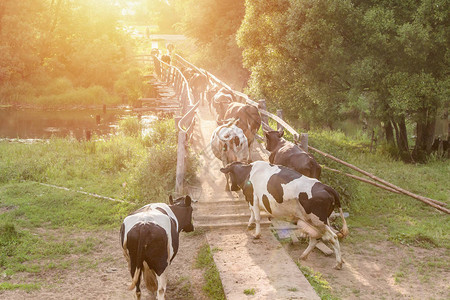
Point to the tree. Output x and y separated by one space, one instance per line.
324 59
212 25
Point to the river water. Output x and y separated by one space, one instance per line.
42 124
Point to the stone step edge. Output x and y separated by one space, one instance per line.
227 225
224 216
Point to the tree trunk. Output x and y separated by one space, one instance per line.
402 139
389 132
425 128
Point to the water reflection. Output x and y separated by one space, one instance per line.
38 124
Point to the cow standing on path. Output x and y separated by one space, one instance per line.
229 144
248 119
199 84
149 239
288 154
286 194
219 99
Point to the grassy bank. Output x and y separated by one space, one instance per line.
390 216
40 225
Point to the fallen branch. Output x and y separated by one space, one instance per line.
362 179
436 204
85 193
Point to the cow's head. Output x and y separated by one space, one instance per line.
182 209
239 173
273 138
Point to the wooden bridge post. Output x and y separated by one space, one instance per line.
181 153
280 115
304 141
177 120
262 105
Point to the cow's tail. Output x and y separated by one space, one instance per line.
344 231
138 263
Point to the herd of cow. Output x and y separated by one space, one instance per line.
287 187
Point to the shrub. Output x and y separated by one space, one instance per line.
130 85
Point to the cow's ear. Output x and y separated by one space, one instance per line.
170 200
281 133
187 200
224 170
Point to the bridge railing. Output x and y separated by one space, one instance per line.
172 75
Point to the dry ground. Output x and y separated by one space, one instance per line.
382 270
104 274
371 271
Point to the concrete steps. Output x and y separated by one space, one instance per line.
224 213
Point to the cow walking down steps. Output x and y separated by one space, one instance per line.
288 195
229 144
149 238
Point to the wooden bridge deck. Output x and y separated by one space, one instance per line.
244 264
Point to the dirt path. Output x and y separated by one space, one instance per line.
104 274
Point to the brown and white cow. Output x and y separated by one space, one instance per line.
229 144
149 238
198 84
220 102
248 119
289 195
285 153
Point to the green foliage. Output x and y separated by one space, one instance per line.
75 51
130 126
212 26
130 84
213 286
323 60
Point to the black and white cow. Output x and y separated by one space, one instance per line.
149 238
285 153
286 194
248 119
229 144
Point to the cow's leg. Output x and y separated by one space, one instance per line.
162 283
227 186
331 237
251 221
312 243
257 219
250 151
138 288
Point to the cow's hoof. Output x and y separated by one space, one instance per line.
338 266
303 257
251 226
227 188
257 236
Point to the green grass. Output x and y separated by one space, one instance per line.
41 227
249 291
320 285
4 286
213 285
388 216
